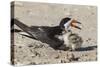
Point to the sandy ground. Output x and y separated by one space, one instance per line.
29 51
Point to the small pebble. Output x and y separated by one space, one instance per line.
57 57
30 46
63 61
20 46
32 63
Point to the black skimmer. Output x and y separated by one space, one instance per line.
53 36
67 23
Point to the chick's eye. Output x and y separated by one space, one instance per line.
75 38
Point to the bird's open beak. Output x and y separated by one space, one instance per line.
74 24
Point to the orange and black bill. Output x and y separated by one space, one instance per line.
74 24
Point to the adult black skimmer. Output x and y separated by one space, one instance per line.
67 23
50 35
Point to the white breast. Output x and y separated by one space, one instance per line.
65 38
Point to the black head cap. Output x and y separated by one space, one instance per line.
63 21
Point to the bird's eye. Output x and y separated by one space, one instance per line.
69 30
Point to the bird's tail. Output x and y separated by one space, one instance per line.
24 27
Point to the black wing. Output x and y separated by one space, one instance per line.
43 33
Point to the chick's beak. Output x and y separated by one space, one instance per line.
74 24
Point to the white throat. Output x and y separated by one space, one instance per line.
67 24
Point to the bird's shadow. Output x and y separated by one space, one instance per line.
86 48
